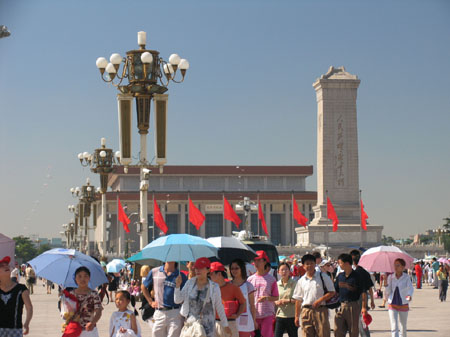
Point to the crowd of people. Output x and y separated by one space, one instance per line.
240 300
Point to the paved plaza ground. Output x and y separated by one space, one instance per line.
428 316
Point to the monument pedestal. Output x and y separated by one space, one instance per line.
345 236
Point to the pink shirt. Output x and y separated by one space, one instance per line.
264 286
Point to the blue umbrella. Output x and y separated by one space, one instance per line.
178 247
59 265
115 266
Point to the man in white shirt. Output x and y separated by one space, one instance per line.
15 274
310 300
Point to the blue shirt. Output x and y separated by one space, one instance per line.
350 287
164 286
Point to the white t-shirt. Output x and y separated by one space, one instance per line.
15 273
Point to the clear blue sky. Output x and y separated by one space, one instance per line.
247 98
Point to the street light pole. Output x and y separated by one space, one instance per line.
148 76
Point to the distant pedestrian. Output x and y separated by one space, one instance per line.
266 293
15 274
30 277
350 287
399 292
435 267
14 297
49 285
285 315
442 277
246 322
419 272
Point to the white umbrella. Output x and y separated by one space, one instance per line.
381 258
231 248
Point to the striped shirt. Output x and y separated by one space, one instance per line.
265 285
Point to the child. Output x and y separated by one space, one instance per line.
123 322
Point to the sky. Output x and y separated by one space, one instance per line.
247 98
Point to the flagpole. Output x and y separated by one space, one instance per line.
360 218
326 237
188 222
292 214
153 216
259 224
223 215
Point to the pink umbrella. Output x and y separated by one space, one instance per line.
381 259
443 260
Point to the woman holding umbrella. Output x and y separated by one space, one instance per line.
399 291
90 305
11 311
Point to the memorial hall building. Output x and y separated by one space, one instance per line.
273 186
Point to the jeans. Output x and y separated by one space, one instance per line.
396 316
283 325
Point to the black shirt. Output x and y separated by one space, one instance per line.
365 277
350 287
11 307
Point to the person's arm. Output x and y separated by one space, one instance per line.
180 294
91 325
29 310
298 309
364 302
133 324
273 294
251 301
372 300
144 288
242 304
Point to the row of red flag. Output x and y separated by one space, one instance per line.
197 218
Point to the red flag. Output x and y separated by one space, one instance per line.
195 216
158 218
331 214
298 216
229 213
122 216
261 217
364 217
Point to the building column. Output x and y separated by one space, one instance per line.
289 225
202 233
182 225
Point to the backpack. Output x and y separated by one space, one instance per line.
332 303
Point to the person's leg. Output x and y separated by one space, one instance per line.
354 318
445 289
441 290
403 318
159 325
340 322
291 329
233 328
267 326
321 322
393 317
363 328
307 322
279 327
174 323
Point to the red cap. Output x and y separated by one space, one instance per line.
261 255
202 262
5 260
217 266
367 318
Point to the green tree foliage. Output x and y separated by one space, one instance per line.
25 250
43 248
387 240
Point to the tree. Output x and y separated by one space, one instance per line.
387 240
25 250
43 248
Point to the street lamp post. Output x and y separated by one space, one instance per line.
144 76
101 162
86 196
247 206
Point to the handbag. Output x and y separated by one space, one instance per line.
333 302
192 326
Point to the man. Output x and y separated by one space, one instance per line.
266 293
30 277
349 286
168 321
310 299
233 300
15 274
435 266
367 286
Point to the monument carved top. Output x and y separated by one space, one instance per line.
338 73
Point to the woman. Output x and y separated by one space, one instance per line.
201 299
30 278
91 308
246 322
398 292
442 277
11 312
285 315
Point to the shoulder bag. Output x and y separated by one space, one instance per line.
333 302
193 327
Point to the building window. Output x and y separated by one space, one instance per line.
214 225
255 224
172 223
275 231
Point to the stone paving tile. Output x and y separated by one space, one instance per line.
427 317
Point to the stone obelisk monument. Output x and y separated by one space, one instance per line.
337 166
